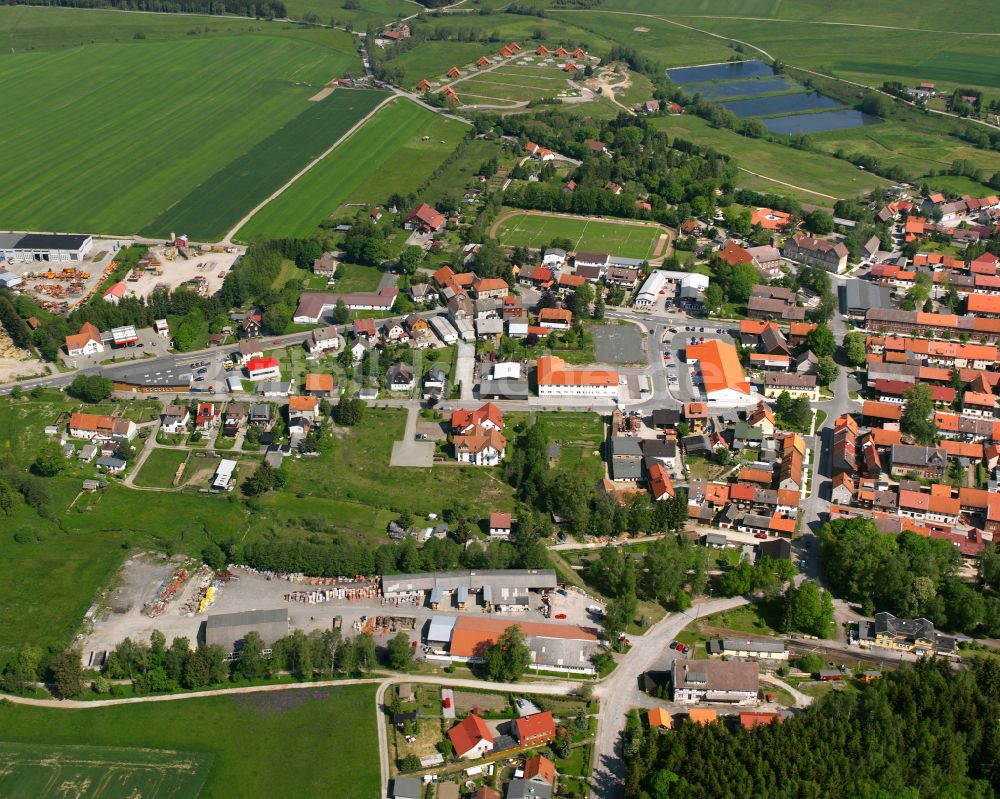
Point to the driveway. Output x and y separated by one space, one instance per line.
409 451
466 368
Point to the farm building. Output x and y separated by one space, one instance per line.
50 247
229 629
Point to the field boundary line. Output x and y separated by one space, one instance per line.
281 189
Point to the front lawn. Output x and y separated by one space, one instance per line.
160 467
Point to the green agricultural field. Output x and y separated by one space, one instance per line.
618 238
296 742
160 467
655 38
395 151
153 119
357 470
43 771
901 13
783 167
209 212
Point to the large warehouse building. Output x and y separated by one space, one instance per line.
229 629
554 647
46 247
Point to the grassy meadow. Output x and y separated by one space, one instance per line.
388 153
624 240
160 467
247 740
815 174
132 127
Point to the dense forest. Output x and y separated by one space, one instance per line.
262 9
923 731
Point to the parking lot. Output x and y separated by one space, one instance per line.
620 344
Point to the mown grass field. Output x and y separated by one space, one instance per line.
43 771
160 467
514 82
810 171
357 470
387 154
251 740
130 128
624 240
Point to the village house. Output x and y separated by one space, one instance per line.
399 377
319 384
86 342
797 385
480 447
500 526
425 219
536 729
830 255
928 462
322 339
325 265
175 419
471 738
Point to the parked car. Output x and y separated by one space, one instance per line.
760 535
560 616
673 645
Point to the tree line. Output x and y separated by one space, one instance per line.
260 9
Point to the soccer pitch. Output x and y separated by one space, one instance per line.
588 235
41 771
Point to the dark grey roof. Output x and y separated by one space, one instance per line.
753 644
51 241
243 618
626 469
407 788
527 789
665 417
626 446
862 295
505 388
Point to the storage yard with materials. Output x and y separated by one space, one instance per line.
179 599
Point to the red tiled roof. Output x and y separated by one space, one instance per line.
468 733
535 726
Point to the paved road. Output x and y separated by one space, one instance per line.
620 692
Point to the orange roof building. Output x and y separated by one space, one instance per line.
473 634
482 61
555 379
752 718
734 254
536 729
561 52
454 72
86 342
555 317
769 219
659 719
319 384
703 715
721 374
542 50
424 85
540 768
471 737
